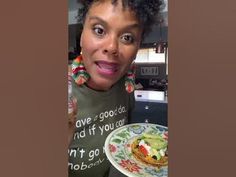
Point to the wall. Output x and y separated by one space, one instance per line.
160 67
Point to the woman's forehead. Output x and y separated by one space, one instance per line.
115 3
106 8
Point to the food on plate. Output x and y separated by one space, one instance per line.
151 149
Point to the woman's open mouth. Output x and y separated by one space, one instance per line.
106 68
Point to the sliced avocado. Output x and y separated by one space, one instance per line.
152 136
158 156
156 143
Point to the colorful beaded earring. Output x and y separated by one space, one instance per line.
129 79
79 73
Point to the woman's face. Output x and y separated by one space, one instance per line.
110 40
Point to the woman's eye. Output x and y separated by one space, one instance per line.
127 38
98 30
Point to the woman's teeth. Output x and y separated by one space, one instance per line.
107 67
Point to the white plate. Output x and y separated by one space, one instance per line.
118 151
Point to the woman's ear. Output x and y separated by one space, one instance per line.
80 43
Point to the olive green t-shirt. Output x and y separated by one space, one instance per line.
99 113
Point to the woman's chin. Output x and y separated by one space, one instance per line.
101 84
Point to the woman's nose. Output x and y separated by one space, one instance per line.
111 46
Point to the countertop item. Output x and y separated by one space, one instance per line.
150 96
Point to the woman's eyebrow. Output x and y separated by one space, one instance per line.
133 26
128 27
98 19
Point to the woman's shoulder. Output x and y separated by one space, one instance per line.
69 70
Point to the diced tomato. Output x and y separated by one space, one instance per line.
165 135
143 150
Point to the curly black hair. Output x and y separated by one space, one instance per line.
147 11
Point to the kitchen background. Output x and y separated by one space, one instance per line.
151 66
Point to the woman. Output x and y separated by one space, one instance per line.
103 77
